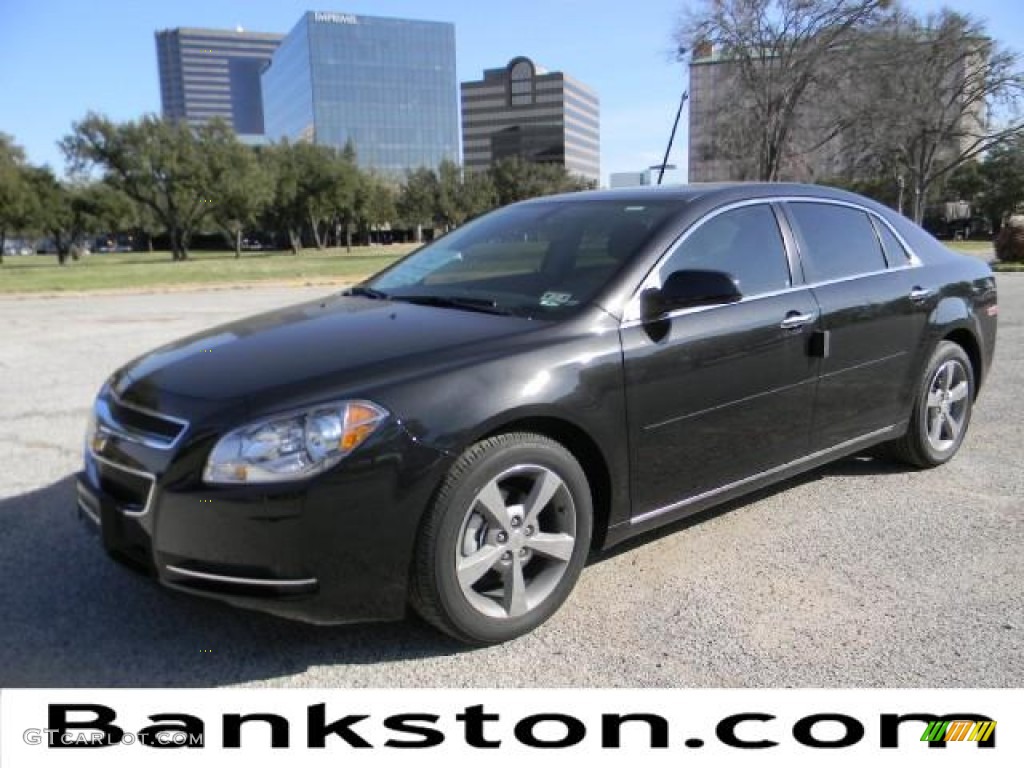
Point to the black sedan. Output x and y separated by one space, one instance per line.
458 432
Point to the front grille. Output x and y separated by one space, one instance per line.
131 489
146 423
138 424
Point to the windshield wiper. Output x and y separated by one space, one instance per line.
457 302
362 290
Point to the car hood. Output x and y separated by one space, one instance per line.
336 341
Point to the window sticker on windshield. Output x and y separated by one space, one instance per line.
554 299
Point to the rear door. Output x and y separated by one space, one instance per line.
872 315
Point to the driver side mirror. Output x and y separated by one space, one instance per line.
690 288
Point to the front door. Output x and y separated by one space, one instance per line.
718 394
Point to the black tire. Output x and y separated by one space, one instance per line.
917 447
515 465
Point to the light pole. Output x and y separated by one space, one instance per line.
680 56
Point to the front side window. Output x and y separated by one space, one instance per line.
835 241
538 259
745 243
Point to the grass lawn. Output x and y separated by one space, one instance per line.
984 248
970 246
135 271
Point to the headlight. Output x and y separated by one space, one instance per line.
293 446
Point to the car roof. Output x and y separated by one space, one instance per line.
713 193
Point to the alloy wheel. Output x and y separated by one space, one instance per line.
516 541
946 408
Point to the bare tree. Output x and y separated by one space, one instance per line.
775 52
936 93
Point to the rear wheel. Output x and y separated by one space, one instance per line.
505 540
942 409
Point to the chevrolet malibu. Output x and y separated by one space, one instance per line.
457 433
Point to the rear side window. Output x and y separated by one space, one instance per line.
744 242
895 253
835 241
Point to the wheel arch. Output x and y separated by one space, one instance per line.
953 320
584 449
968 342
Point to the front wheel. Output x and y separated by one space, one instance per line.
942 409
505 540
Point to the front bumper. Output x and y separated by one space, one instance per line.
334 549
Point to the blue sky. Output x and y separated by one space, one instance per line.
62 58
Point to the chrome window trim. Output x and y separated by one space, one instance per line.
109 424
191 574
632 315
137 473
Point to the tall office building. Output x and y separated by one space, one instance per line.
524 111
208 73
386 85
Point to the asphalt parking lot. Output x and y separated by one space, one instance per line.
859 574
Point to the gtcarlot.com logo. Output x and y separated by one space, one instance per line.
91 726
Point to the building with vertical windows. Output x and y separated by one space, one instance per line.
386 85
208 73
524 111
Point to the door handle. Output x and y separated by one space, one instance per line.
796 320
920 294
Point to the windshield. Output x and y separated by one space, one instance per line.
541 259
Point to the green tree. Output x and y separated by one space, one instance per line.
347 196
103 208
16 205
1003 174
516 179
478 194
417 200
449 201
156 163
240 187
375 203
285 212
314 190
68 211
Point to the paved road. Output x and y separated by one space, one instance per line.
861 574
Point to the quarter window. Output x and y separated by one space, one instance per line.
835 241
744 242
895 253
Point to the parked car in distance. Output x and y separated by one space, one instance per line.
457 433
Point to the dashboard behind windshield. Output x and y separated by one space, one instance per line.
538 259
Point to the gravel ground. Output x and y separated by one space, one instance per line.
859 574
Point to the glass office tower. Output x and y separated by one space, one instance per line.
386 85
